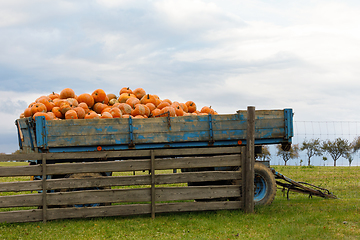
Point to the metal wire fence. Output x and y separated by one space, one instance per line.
323 130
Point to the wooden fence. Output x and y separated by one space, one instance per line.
156 192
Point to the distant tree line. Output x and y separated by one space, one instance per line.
315 147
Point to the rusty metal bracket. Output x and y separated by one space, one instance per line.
131 133
168 118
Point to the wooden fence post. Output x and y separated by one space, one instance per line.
249 161
152 184
44 187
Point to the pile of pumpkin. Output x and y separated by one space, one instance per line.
130 103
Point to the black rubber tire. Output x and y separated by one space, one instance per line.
264 185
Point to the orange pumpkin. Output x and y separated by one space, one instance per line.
67 93
86 98
47 102
156 112
47 117
80 112
138 110
99 95
124 97
191 106
148 98
91 115
64 107
132 101
51 115
73 102
107 109
125 108
57 112
106 115
125 90
167 100
184 107
27 112
84 106
115 112
139 93
170 110
99 107
147 110
38 107
207 110
179 111
163 104
151 106
53 95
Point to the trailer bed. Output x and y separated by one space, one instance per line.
271 127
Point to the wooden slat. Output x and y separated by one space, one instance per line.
197 206
66 183
198 162
199 192
100 196
34 215
138 165
19 157
24 200
157 131
20 186
142 195
121 154
20 171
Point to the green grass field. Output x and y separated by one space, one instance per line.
298 218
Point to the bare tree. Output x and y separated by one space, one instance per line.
356 144
287 155
337 148
350 158
312 148
264 155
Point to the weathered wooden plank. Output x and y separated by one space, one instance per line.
100 196
144 153
261 114
106 211
194 128
24 200
197 151
110 166
66 183
199 192
138 165
33 215
20 157
120 154
197 177
142 195
137 209
162 137
198 162
20 171
20 186
197 206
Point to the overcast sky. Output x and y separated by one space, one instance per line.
229 54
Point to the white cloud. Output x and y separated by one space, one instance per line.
228 54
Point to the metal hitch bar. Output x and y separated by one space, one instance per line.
301 187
